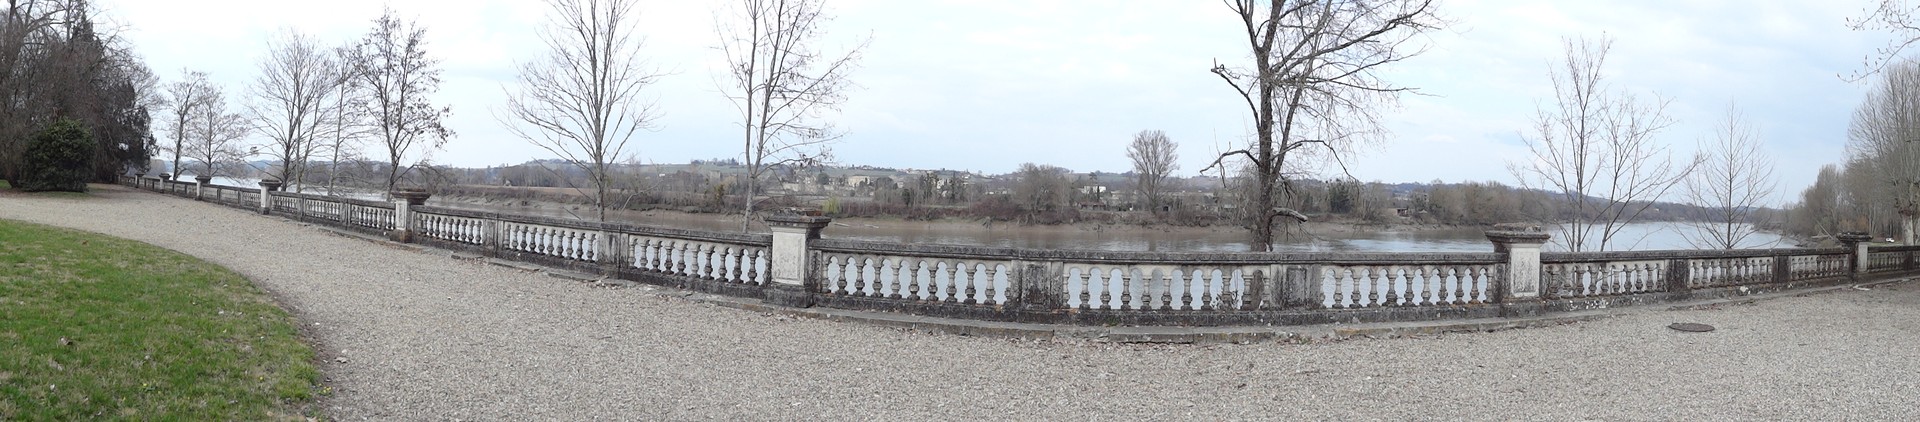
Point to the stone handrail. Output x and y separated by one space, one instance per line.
1167 285
795 266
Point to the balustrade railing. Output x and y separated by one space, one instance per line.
918 273
1164 287
725 262
710 257
1089 286
1603 278
1409 280
1891 258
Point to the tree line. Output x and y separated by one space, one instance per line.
1877 189
62 67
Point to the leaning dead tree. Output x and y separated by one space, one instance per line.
1594 148
1734 180
1313 87
782 85
583 101
290 98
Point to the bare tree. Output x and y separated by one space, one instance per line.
391 65
1154 158
1734 180
583 100
185 98
1885 133
1595 150
216 136
782 85
346 124
60 65
1313 86
1818 211
1041 188
290 97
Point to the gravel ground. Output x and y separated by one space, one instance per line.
418 336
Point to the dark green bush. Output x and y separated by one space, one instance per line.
58 158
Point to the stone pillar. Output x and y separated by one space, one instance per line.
1520 288
791 269
404 200
616 252
1298 287
200 187
267 187
1856 244
1037 286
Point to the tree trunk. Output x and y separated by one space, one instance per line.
1907 231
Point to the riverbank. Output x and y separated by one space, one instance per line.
723 221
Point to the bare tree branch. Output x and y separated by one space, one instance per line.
391 66
1314 76
782 85
1595 149
583 100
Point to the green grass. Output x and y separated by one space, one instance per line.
94 327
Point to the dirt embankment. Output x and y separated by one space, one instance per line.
542 204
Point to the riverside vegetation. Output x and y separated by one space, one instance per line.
94 327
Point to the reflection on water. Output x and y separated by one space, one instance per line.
1641 236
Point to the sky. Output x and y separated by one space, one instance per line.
985 85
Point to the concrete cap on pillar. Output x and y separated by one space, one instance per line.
1517 233
271 185
806 218
203 179
412 196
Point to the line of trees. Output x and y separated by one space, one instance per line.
59 65
314 104
1877 189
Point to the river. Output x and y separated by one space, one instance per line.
1638 236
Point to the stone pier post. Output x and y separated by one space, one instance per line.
792 278
267 187
616 251
1037 286
404 200
1520 288
200 187
1856 244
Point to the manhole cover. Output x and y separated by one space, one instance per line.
1691 327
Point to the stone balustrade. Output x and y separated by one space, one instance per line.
794 265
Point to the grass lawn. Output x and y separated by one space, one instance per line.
94 327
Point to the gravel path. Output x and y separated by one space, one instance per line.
418 336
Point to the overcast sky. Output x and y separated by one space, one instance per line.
986 85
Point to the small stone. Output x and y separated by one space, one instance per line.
1691 327
340 360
